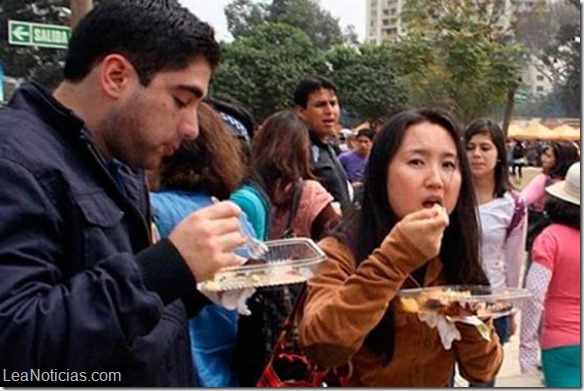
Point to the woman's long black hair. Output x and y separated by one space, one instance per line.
366 228
566 154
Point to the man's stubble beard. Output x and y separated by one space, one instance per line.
121 130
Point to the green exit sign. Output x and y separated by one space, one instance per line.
37 34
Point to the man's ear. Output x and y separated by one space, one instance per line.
116 74
299 110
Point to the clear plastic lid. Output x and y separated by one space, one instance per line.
288 261
469 293
463 300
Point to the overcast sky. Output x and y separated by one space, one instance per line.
348 12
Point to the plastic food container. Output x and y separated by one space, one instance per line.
288 261
463 300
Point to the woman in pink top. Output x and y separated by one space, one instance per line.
554 281
281 156
555 160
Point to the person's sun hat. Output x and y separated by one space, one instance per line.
569 189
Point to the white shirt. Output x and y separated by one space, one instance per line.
502 256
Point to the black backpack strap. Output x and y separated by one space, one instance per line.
265 198
298 188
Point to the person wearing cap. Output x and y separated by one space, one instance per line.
554 282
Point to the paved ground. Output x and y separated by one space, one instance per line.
510 375
528 174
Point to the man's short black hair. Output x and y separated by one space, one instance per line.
308 85
154 35
369 133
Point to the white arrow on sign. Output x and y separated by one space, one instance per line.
20 33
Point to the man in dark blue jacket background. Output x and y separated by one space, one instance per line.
84 295
316 102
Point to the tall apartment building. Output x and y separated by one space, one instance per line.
384 23
384 20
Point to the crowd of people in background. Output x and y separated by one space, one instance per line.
126 186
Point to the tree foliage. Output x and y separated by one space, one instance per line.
564 55
458 55
243 16
262 69
549 33
367 80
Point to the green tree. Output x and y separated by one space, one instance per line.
31 62
262 69
549 33
367 81
243 16
565 99
564 55
458 55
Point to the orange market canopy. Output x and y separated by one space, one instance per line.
514 131
534 130
538 131
566 132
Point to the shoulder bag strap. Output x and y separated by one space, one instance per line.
298 188
518 212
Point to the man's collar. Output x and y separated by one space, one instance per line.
32 96
315 139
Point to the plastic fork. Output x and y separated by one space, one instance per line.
256 248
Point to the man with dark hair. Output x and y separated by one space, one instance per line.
83 289
315 100
355 160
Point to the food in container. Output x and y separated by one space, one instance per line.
287 261
457 301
